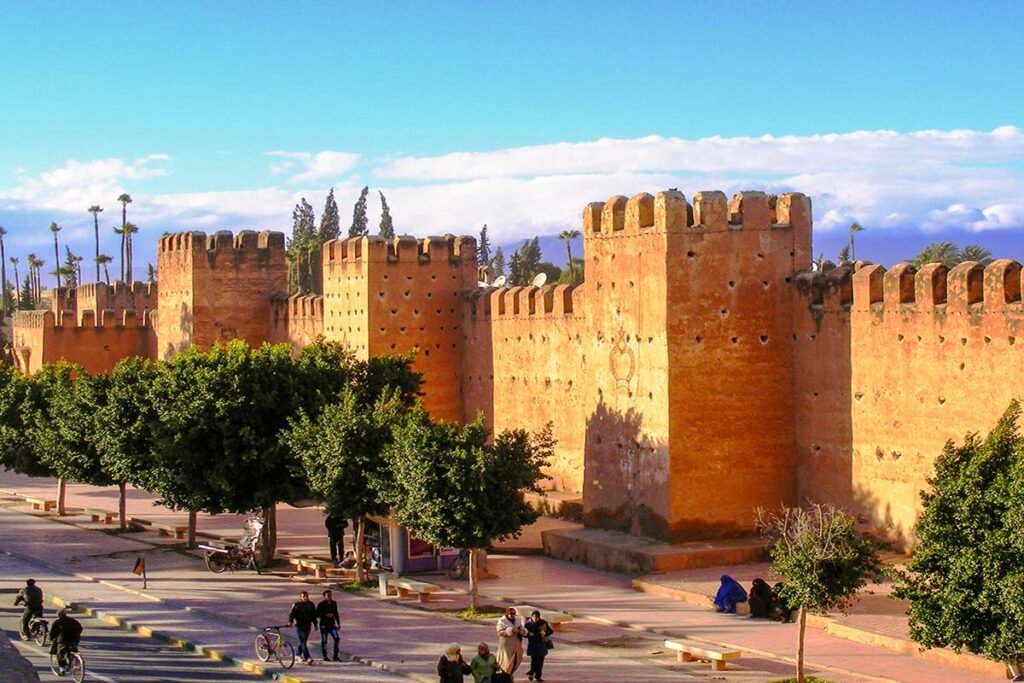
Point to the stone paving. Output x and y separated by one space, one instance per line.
625 622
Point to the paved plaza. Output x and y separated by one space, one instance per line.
616 635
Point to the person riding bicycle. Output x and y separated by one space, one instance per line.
32 597
65 634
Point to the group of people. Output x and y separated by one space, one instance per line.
766 602
502 666
306 616
65 632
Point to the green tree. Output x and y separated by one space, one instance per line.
359 222
20 402
123 427
125 199
574 277
95 210
301 245
3 272
568 236
483 248
129 230
525 263
844 254
104 260
54 228
17 279
516 273
217 441
553 272
964 581
453 488
70 269
498 262
387 226
946 253
151 274
343 453
976 252
854 229
330 223
25 296
821 557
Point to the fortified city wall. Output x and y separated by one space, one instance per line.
700 371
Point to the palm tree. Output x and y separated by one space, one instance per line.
34 264
103 260
120 231
14 262
95 210
54 228
125 200
3 268
854 229
971 252
568 236
945 253
129 230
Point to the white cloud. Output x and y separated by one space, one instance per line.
326 164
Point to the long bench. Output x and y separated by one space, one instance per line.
687 651
305 565
179 531
97 515
41 503
556 619
422 589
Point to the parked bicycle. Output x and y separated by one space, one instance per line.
459 566
71 664
38 630
271 643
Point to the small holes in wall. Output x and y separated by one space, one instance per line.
698 340
789 279
962 366
724 313
691 254
732 284
963 341
735 340
899 338
1011 340
858 396
812 337
406 293
942 340
942 400
988 340
765 284
763 338
919 339
760 257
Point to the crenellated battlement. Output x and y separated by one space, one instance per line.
669 212
245 242
404 249
830 289
967 287
523 302
82 320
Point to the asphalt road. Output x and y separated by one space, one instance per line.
116 656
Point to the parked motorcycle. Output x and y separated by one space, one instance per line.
245 555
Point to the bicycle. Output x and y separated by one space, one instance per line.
38 630
73 663
271 643
459 566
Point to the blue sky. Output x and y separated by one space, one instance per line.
903 116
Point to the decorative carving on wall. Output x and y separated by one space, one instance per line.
622 360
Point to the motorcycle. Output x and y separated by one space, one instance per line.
245 555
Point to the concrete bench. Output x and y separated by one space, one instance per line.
41 504
687 651
422 589
305 565
97 515
556 619
179 531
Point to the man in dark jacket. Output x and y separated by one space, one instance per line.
327 614
65 634
32 597
303 616
336 526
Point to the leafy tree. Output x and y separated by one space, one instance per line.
151 274
20 401
69 270
452 488
945 253
821 557
498 262
359 223
964 581
516 273
975 252
387 227
330 223
553 272
568 236
25 296
844 254
302 243
575 276
217 436
123 427
525 263
483 248
342 451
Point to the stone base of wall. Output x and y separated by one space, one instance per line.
562 504
15 668
636 556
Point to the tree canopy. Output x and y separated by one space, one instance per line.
387 227
359 221
951 255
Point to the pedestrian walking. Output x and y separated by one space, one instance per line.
32 597
510 641
327 615
451 668
538 642
484 665
303 616
336 525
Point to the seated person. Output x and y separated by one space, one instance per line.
780 609
729 594
760 599
65 634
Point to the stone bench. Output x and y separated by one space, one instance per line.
422 589
556 619
687 651
97 515
305 565
41 503
179 531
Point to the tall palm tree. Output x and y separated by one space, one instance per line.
54 228
854 229
3 268
568 236
125 200
945 253
129 230
95 210
14 262
103 260
34 264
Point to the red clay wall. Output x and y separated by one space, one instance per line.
96 347
297 320
936 355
